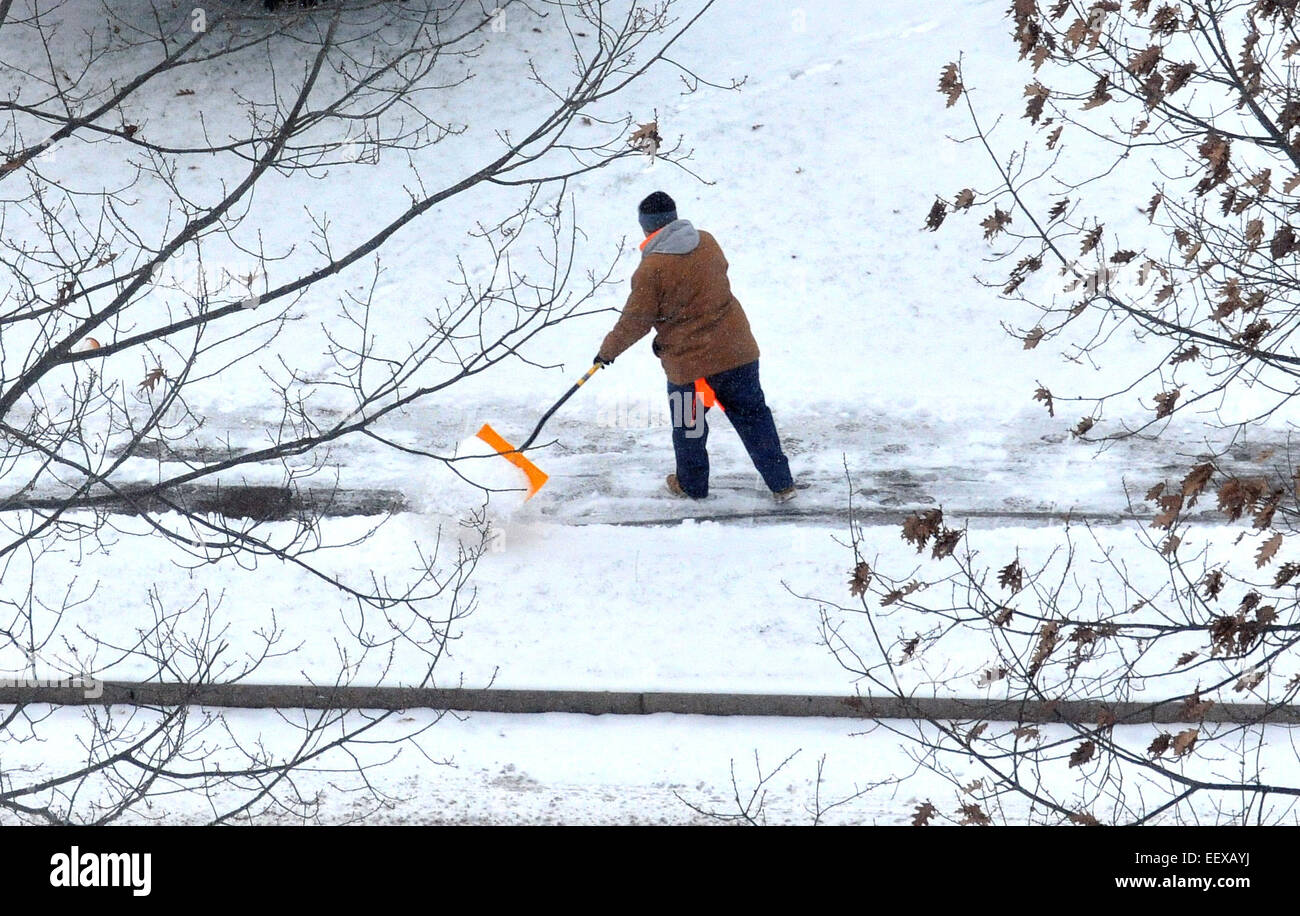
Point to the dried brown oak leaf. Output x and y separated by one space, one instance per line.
950 84
1184 741
1165 402
1195 708
1267 551
1099 95
946 543
861 579
1082 754
1285 573
1240 494
1177 76
974 814
1283 243
1012 576
1042 394
1160 744
151 379
919 528
1170 505
1144 62
1048 638
995 222
646 138
898 594
1195 481
934 219
924 812
1091 239
1037 94
1213 584
1267 508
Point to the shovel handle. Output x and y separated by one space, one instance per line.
596 367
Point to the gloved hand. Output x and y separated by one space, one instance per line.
601 361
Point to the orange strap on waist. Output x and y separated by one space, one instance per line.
706 395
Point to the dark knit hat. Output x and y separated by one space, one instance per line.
656 211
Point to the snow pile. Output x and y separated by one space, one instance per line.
475 493
483 466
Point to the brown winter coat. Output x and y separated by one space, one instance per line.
680 289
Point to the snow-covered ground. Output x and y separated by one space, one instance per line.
675 607
660 769
494 769
884 363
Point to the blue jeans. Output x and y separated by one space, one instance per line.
738 390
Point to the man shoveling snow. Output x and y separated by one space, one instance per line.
702 338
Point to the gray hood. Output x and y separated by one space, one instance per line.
678 237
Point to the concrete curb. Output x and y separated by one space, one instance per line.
262 503
590 702
275 503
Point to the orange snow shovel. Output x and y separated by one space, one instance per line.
536 476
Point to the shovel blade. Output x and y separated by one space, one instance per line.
536 476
